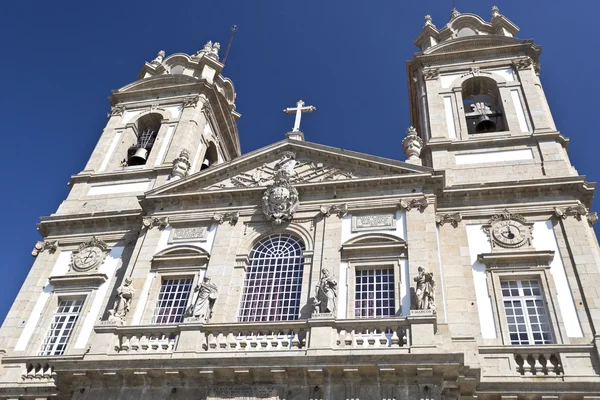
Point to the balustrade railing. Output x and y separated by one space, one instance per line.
372 333
264 336
149 340
538 364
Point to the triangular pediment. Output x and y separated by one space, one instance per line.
311 164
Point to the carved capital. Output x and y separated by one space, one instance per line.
409 204
523 63
232 217
115 111
431 74
576 211
454 219
191 101
40 247
341 210
151 222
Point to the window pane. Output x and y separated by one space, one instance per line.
61 327
526 313
172 300
381 297
273 281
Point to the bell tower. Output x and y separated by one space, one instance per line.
478 104
177 119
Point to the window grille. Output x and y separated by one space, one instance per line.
526 312
57 338
172 301
273 281
374 293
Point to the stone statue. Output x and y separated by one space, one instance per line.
159 58
425 290
122 303
326 296
205 295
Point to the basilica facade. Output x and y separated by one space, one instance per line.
180 268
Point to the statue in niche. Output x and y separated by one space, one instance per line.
122 302
326 295
205 295
425 290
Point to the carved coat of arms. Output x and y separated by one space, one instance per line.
280 200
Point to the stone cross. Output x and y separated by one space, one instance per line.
299 109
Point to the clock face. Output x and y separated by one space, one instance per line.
509 233
88 258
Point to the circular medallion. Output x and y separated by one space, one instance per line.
88 258
509 233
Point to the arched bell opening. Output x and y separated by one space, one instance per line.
147 128
482 105
211 157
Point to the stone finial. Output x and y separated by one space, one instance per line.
412 144
159 58
454 13
181 165
495 12
428 21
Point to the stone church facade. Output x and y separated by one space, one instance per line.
178 268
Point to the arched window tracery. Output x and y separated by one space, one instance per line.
273 282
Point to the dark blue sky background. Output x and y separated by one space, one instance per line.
61 60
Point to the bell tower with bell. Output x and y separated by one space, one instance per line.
177 119
478 104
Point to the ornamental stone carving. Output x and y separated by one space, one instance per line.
523 63
495 12
181 166
326 294
89 256
576 211
509 231
425 290
205 295
341 210
40 247
412 144
151 222
409 204
232 217
210 50
453 219
116 111
431 74
592 218
280 200
159 58
428 21
191 101
122 303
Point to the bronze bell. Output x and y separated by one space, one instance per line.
205 164
139 157
485 124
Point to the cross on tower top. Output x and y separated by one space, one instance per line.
299 109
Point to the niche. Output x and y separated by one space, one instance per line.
482 105
146 129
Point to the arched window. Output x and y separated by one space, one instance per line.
146 129
482 105
210 157
273 280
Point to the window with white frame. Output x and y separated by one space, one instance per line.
63 322
374 293
172 301
273 280
526 312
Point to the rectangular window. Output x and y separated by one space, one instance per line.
64 320
172 300
374 294
526 312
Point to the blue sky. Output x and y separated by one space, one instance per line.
62 59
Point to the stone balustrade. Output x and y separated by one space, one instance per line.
148 339
35 371
372 333
248 337
416 333
533 363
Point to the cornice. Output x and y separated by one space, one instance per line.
496 141
120 221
